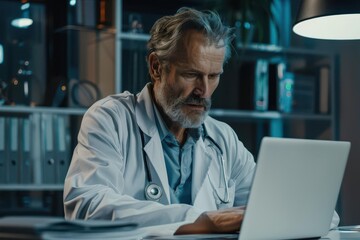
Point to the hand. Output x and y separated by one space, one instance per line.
221 221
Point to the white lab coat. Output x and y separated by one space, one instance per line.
106 177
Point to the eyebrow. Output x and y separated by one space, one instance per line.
200 72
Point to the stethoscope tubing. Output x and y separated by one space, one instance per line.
153 191
226 198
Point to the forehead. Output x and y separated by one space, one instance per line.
196 46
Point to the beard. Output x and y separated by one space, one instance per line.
172 107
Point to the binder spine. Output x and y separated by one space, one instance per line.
13 160
62 147
37 145
3 151
26 162
49 165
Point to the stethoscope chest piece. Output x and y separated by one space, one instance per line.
153 191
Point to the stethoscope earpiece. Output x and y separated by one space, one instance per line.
153 191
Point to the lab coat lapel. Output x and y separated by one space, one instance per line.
155 154
145 118
202 196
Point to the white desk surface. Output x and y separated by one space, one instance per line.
342 235
333 235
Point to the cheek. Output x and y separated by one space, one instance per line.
173 91
183 89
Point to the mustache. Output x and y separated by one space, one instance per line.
193 99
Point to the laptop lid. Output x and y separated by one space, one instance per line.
295 188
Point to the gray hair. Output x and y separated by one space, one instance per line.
167 32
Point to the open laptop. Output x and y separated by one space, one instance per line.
295 188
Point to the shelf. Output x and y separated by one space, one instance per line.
112 31
255 48
49 110
216 113
276 53
238 115
86 29
134 36
31 187
251 50
270 48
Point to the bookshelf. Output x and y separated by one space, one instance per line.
308 119
35 150
36 145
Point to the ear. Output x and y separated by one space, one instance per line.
154 67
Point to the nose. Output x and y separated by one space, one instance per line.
202 87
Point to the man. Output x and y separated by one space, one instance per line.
157 158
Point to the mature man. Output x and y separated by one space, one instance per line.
157 157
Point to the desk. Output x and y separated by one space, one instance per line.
333 235
342 235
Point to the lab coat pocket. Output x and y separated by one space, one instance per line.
224 197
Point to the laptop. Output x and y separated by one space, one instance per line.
295 188
294 191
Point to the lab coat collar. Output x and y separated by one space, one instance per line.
208 130
144 111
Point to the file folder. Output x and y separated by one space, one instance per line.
3 152
48 159
61 146
26 163
13 159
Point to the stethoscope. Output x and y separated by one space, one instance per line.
226 198
154 192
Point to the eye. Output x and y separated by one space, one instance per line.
214 77
190 75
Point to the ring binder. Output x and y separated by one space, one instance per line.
3 151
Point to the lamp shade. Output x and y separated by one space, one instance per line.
329 19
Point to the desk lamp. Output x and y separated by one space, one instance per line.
328 19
